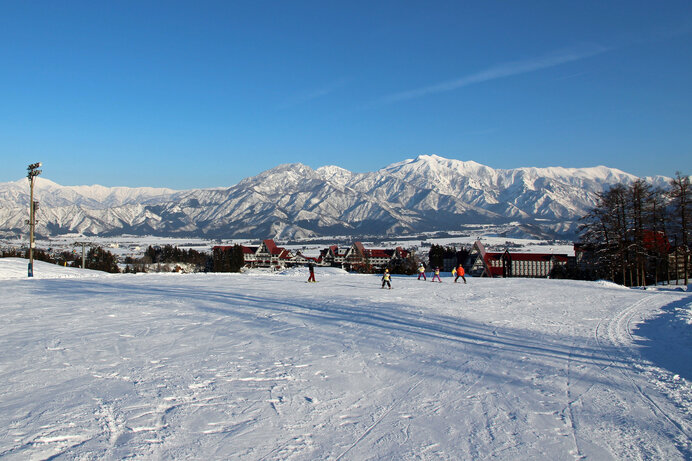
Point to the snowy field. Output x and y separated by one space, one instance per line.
264 366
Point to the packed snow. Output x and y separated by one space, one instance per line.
266 366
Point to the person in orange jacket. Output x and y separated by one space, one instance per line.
460 273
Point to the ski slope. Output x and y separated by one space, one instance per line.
264 366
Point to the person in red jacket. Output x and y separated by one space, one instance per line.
311 268
460 273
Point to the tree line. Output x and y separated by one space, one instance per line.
167 254
96 258
439 253
631 231
228 259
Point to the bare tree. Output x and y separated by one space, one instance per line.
656 219
639 197
605 229
680 196
626 232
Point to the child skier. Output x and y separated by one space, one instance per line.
460 273
437 274
421 271
386 279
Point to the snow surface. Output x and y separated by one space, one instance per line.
265 366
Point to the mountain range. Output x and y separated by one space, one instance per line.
292 201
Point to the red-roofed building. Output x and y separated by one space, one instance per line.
378 259
656 241
506 264
249 252
270 255
334 256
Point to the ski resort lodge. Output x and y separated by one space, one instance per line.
269 255
357 255
492 264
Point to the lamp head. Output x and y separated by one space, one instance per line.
34 170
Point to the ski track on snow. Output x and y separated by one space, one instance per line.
268 367
618 333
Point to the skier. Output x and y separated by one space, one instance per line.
421 271
386 279
460 273
437 274
311 267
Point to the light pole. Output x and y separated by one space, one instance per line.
33 172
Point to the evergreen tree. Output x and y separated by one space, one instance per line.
405 266
228 259
101 260
436 255
237 259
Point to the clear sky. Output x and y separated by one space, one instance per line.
202 94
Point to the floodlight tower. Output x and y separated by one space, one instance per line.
33 172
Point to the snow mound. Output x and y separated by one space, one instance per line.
609 284
17 268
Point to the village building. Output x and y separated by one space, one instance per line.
334 256
356 256
377 259
249 255
270 255
267 254
512 264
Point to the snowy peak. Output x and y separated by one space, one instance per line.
52 194
427 193
446 176
281 178
335 174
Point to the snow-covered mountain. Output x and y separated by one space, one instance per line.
98 197
293 200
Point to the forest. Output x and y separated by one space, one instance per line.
638 234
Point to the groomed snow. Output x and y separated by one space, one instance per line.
17 268
266 366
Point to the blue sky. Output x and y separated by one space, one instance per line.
203 94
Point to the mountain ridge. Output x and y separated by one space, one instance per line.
293 200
